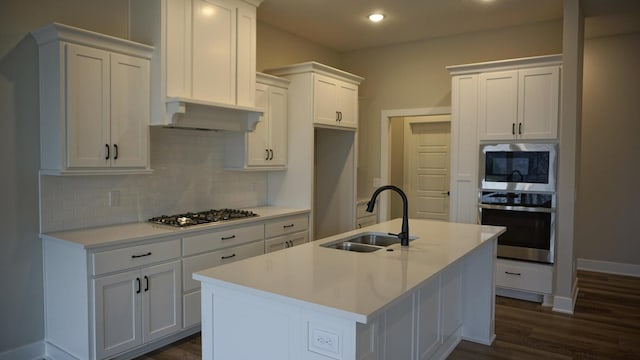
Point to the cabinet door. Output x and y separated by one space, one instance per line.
161 300
278 126
286 241
498 105
246 54
213 51
325 107
347 105
117 313
87 107
257 146
129 111
428 325
538 92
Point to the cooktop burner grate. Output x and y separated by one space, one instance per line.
202 217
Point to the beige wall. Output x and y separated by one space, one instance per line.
21 304
608 201
277 48
413 75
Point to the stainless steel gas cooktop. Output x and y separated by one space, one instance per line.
202 217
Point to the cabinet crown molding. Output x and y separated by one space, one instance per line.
61 32
315 67
509 64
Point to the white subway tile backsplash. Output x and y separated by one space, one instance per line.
188 176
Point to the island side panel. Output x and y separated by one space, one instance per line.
479 294
244 325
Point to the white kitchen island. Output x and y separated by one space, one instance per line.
314 302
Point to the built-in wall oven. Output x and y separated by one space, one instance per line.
517 190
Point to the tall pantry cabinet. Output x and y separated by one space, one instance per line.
322 141
501 101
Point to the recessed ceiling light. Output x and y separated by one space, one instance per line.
376 17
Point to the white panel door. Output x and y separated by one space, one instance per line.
278 126
427 148
538 92
246 54
214 51
257 147
117 313
325 108
161 300
347 104
498 105
129 111
87 107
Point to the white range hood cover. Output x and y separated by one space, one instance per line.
205 115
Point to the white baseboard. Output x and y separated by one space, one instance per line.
33 351
566 305
609 267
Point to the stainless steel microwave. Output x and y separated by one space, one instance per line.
518 167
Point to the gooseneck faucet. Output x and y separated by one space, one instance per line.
404 233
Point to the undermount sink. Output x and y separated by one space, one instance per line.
363 243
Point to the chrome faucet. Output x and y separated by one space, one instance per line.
404 233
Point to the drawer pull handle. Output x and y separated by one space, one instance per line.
142 255
228 237
512 273
138 288
288 226
228 257
146 286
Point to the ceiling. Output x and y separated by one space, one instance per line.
342 25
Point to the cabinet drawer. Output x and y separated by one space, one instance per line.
129 257
221 239
286 225
537 278
224 256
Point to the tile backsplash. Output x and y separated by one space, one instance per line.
188 176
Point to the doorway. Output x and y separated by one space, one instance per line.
419 165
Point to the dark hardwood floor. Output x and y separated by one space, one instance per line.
605 325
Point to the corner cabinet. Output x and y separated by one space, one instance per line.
507 100
94 102
265 148
205 57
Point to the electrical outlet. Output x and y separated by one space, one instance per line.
324 342
114 198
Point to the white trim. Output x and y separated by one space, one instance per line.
385 144
566 305
55 353
609 267
33 351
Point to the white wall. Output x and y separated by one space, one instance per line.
608 211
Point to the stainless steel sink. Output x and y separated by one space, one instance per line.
349 246
375 239
363 243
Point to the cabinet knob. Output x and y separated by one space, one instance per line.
107 155
266 154
519 128
115 151
271 152
513 128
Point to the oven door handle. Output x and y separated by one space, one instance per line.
518 208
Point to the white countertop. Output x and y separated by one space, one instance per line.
353 285
121 234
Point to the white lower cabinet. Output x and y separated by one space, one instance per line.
135 307
286 232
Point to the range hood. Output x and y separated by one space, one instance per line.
206 115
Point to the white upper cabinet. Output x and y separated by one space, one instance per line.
519 104
205 56
94 102
265 148
335 102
